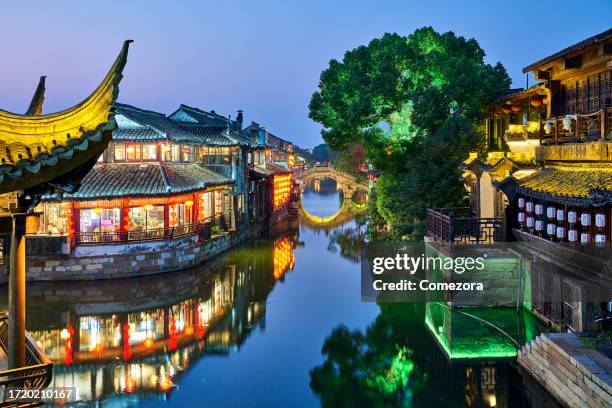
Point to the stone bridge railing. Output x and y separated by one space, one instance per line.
345 182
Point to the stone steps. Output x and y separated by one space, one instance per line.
575 374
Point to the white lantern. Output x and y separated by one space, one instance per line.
551 229
521 202
560 215
600 239
529 206
567 122
572 217
600 220
548 127
521 217
585 238
550 212
585 219
572 235
539 209
539 225
561 231
530 222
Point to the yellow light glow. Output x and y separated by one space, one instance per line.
97 210
282 190
148 207
189 203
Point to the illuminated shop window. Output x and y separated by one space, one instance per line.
205 206
119 152
99 219
132 152
218 203
166 152
179 214
176 152
144 218
149 152
188 153
53 219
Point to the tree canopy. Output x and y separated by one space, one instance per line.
413 101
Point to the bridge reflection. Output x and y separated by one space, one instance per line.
137 338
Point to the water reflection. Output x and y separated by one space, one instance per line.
109 339
135 341
393 362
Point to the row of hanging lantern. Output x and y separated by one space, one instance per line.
561 224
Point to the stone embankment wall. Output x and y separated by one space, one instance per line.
93 262
575 374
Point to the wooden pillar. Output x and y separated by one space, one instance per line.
17 293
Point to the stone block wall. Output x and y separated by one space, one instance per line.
575 374
141 262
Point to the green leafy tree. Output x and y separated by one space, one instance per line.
413 102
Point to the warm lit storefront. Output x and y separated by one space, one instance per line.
120 202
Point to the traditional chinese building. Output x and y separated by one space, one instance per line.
150 184
546 181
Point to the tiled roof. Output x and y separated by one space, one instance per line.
155 125
213 136
216 129
113 180
269 169
576 47
571 184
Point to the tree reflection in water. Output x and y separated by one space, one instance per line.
396 361
349 240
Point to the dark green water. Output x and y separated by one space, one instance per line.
276 323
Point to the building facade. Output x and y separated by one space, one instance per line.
546 182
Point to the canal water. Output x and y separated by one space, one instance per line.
278 322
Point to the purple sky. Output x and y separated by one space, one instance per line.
264 58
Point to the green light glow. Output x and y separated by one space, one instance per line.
463 337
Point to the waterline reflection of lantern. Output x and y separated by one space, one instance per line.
572 235
561 231
600 220
551 212
572 217
585 219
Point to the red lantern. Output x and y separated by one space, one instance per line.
536 101
506 109
516 108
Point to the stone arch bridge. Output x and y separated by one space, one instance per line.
346 183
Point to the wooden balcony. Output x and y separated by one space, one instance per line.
459 226
580 128
36 374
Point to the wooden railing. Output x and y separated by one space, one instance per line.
583 128
36 374
202 228
458 225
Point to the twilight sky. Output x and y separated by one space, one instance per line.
263 57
